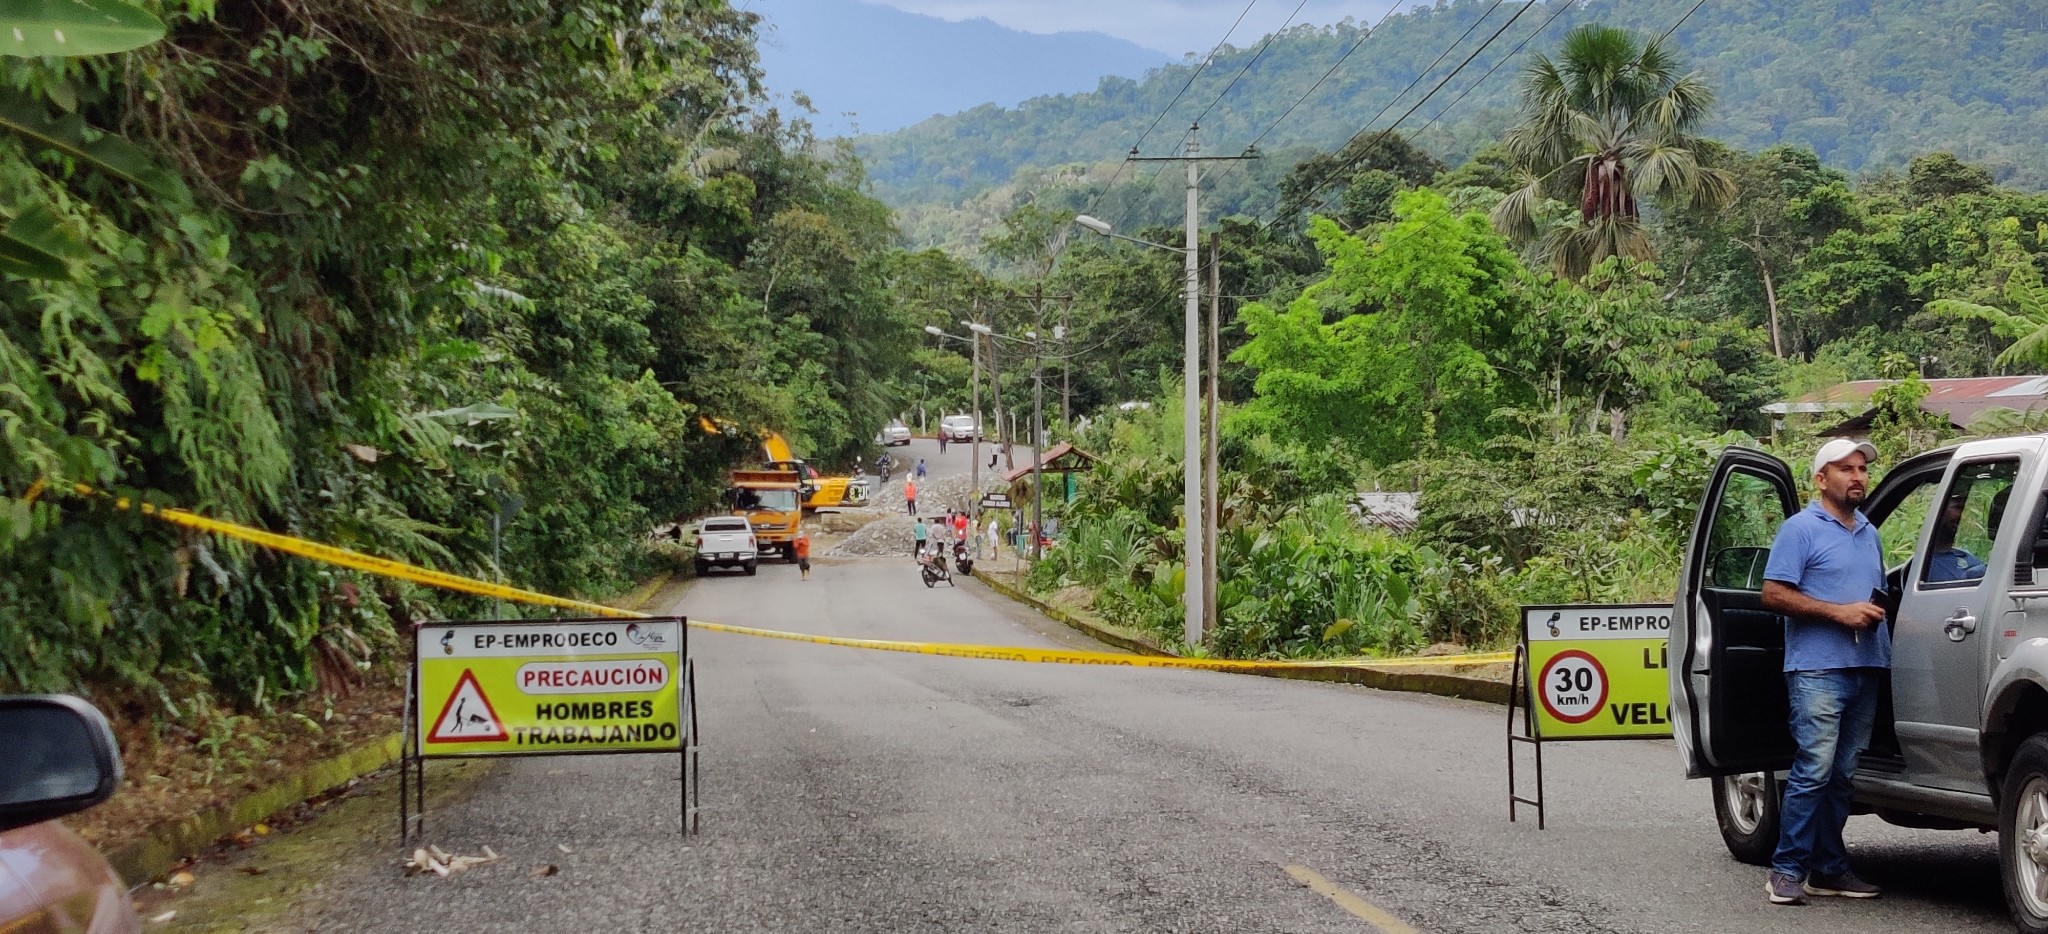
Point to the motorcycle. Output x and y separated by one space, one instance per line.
932 567
963 560
883 464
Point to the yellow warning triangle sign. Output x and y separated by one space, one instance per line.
467 717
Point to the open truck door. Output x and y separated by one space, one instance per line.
1729 710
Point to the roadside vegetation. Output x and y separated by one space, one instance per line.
1548 345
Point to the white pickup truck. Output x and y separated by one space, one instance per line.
726 541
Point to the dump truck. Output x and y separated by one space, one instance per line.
771 500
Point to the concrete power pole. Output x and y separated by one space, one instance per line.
1194 602
1213 513
974 469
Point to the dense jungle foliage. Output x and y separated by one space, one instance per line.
1555 425
1864 85
397 272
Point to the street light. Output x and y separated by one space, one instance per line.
1194 606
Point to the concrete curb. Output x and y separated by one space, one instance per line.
166 844
1421 682
146 859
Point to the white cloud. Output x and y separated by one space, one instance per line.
1175 27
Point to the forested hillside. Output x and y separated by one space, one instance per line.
379 275
1864 84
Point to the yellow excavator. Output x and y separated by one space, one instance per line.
817 491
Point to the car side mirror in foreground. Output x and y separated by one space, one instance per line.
60 758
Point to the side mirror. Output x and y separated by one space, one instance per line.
61 758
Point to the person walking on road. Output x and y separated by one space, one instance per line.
919 533
1825 571
803 555
910 495
942 440
920 468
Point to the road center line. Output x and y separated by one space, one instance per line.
1362 909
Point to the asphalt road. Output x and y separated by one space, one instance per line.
853 790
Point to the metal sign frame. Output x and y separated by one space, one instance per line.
412 776
1522 700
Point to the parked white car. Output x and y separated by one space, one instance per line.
959 428
726 542
895 434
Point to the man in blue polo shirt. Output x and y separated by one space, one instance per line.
1826 566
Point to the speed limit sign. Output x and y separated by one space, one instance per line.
1573 686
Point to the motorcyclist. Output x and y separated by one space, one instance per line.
883 465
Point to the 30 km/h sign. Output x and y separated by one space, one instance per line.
549 686
1597 672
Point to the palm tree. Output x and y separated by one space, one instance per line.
1606 123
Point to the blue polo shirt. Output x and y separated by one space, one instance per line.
1828 561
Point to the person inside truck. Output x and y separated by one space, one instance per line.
1826 566
1947 563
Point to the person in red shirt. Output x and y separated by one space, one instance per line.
910 496
803 554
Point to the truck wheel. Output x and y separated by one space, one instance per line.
703 569
2023 836
1746 808
789 555
751 568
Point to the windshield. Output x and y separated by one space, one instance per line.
725 526
774 500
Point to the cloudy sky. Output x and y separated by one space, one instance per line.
1175 27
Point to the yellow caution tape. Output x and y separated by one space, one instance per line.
1075 657
385 567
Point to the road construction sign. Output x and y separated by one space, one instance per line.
549 686
1597 672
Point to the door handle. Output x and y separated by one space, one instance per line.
1960 625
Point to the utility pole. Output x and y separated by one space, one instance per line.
1037 447
1194 602
1214 513
1066 370
974 469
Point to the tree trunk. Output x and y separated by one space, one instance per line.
1755 245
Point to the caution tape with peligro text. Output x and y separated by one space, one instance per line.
399 570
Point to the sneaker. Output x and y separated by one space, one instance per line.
1782 889
1844 884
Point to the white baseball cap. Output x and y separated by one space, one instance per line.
1840 448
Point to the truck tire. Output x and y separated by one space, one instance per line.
703 569
1746 808
751 568
2023 836
789 555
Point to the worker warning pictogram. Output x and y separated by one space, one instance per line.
467 717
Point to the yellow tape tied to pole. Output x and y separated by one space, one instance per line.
385 567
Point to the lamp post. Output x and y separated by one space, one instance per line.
1194 597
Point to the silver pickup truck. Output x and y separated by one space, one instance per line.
1961 740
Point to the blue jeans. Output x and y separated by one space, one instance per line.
1832 713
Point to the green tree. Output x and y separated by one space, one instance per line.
1607 122
1422 319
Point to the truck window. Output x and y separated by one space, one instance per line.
777 500
1967 526
1744 524
1899 530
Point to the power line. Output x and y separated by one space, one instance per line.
1384 134
1111 184
1250 62
1517 50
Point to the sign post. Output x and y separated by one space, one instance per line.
548 687
995 501
1585 672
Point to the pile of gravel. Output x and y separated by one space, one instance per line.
891 534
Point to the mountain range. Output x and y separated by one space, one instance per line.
1866 84
873 68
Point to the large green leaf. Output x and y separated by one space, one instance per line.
70 28
69 135
36 244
